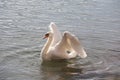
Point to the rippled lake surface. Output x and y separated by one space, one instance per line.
95 22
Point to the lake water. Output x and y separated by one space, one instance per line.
95 22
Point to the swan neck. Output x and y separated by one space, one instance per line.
46 46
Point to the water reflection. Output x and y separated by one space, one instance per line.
60 69
75 69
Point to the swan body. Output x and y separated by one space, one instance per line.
60 46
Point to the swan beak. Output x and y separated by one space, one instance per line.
44 37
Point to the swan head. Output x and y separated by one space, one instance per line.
47 35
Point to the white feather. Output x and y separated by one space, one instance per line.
58 46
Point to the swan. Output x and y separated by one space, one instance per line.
60 46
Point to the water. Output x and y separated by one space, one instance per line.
95 22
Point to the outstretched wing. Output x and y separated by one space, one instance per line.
75 44
56 33
69 41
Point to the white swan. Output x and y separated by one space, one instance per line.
59 46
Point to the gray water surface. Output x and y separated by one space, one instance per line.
95 22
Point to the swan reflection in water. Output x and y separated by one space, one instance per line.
60 69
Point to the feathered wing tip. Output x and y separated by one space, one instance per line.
54 30
83 53
53 27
